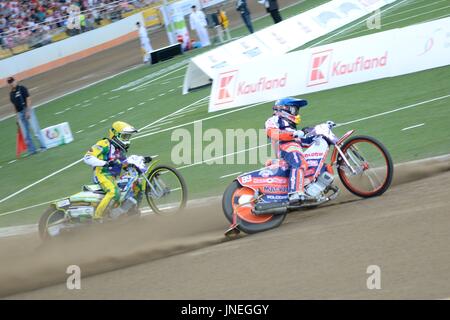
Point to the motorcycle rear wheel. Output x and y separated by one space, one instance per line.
234 196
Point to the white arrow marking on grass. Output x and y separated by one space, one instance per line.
412 127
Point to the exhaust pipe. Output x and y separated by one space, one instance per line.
270 208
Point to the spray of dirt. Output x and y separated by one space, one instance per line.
28 264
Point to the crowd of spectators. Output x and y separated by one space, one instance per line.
34 22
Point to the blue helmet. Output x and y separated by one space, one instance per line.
288 108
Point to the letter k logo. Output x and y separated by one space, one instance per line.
223 87
319 68
224 92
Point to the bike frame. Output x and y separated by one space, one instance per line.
337 150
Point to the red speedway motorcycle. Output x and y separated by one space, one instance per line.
258 200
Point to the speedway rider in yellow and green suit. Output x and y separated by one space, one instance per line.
107 157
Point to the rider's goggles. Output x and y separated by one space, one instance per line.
125 136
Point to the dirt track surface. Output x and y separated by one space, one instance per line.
75 75
319 254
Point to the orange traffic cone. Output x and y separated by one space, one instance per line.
20 143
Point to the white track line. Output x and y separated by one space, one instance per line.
153 80
412 127
163 123
79 89
40 180
148 130
173 113
220 157
395 110
342 124
351 35
69 166
203 119
231 174
26 208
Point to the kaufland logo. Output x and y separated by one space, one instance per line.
227 81
323 67
230 87
319 68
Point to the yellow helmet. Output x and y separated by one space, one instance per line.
121 133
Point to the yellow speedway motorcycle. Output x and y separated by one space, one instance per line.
163 187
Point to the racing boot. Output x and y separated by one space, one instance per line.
299 197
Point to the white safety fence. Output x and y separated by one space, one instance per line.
386 54
278 39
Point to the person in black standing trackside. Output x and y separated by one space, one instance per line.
241 6
26 117
272 8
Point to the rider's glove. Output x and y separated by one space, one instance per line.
331 124
298 134
112 163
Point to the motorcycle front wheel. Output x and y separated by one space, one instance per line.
167 191
370 169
